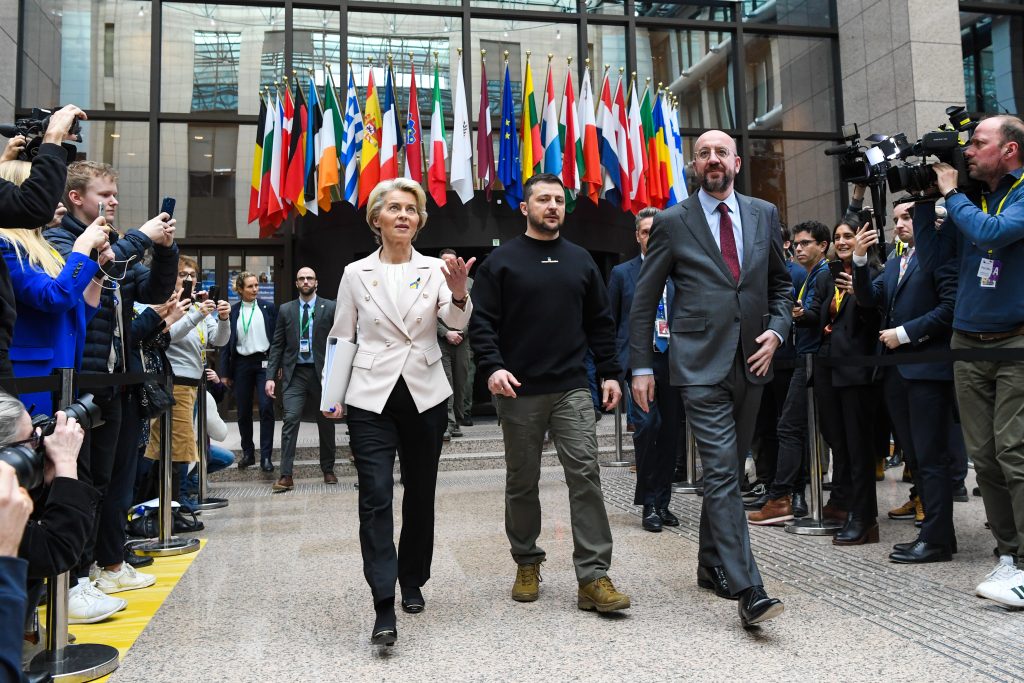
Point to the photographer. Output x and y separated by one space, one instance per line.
15 507
988 244
31 205
104 462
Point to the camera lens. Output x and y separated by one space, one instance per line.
27 464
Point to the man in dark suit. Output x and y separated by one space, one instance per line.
732 310
245 367
656 435
917 315
296 359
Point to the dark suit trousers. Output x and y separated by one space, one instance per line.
304 385
920 411
848 425
656 440
375 439
96 460
722 418
250 377
766 435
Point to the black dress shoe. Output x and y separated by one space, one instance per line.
713 578
921 552
799 505
266 464
755 606
960 494
412 600
911 544
667 518
467 421
137 561
651 521
385 628
857 532
248 460
755 503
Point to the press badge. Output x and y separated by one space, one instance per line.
988 272
303 346
662 329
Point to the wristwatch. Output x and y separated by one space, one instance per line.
950 194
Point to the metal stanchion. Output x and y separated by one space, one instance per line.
815 524
64 662
690 485
619 460
204 502
167 544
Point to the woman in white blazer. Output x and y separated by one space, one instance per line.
388 303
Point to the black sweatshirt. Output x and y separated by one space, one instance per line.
537 306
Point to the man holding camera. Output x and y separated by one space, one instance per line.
988 242
110 452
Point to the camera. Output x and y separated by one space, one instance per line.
33 127
83 409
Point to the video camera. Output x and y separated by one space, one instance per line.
28 461
33 127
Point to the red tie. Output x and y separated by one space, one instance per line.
728 242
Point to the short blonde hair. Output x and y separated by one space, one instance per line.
375 203
81 173
241 278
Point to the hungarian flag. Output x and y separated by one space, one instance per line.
530 149
327 166
639 165
572 144
353 144
656 189
314 123
437 180
295 178
391 137
462 144
484 136
413 134
257 164
369 160
590 170
549 137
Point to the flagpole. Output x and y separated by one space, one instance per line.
478 183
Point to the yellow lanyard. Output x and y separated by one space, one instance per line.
999 208
202 335
839 299
814 271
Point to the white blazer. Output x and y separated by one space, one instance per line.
396 340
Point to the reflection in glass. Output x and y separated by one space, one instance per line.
316 40
797 177
789 83
606 45
561 6
793 12
709 10
218 57
616 7
992 54
95 54
696 66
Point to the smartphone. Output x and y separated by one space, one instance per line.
214 292
186 290
835 267
167 206
864 216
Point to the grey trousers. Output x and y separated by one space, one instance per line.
303 386
722 418
570 417
991 398
455 360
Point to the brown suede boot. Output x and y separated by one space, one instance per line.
774 513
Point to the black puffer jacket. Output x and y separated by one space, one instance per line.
147 285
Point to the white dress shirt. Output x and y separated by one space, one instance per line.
255 340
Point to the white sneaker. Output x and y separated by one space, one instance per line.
1005 585
1004 570
126 579
87 605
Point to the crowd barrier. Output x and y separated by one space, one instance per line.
79 662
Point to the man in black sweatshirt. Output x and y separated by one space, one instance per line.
539 303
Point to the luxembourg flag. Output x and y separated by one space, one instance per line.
552 162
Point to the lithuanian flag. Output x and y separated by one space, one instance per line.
530 150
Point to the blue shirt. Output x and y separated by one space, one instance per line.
714 218
980 235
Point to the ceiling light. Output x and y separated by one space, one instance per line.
142 11
197 137
558 34
115 135
208 156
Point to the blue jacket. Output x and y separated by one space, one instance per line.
921 302
52 316
230 354
13 609
621 287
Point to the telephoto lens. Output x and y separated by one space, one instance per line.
27 463
83 409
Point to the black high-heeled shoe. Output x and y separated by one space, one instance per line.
412 600
385 626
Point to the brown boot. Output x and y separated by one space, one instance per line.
774 513
600 594
527 585
285 483
833 511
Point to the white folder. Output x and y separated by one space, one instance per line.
337 371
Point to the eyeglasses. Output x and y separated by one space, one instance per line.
721 152
804 243
35 440
187 274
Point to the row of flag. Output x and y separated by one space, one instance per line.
312 151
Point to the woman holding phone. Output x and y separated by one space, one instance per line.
846 396
398 393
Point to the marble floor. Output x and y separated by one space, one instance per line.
278 595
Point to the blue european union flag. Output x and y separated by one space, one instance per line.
509 172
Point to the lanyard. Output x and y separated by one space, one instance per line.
823 263
999 208
247 323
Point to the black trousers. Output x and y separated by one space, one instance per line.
847 417
96 462
375 439
791 470
251 376
921 411
766 436
656 439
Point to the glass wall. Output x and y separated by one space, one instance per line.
993 56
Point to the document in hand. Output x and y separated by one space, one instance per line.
337 370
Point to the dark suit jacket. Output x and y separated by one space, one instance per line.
712 314
921 302
621 287
231 352
854 333
284 348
